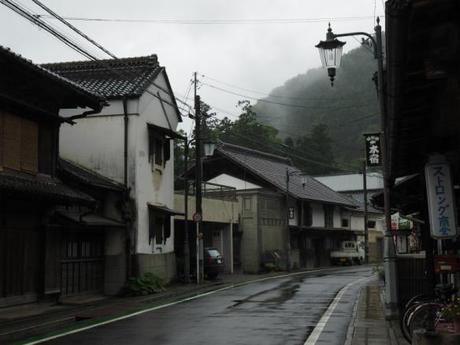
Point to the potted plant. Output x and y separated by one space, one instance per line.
451 313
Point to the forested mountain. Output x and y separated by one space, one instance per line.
344 111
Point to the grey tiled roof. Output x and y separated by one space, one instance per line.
112 78
25 186
87 176
272 169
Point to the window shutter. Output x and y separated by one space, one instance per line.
11 141
167 228
167 149
29 146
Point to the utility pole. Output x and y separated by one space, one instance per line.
288 235
186 234
366 226
198 178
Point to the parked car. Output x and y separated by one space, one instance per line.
213 262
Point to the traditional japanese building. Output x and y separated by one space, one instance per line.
422 128
30 191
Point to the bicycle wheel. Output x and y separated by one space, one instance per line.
404 322
417 299
424 316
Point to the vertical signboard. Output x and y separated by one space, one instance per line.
441 206
373 149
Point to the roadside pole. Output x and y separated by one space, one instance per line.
198 179
366 226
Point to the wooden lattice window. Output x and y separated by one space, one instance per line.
18 143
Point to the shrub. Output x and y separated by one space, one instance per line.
148 284
380 272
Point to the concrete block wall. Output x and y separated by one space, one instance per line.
162 265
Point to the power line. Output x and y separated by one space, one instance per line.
271 95
34 18
234 21
282 104
56 16
23 12
283 148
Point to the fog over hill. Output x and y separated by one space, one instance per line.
349 108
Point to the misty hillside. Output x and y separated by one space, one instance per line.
349 108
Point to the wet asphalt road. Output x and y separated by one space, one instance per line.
280 311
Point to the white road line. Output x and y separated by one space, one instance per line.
143 311
313 338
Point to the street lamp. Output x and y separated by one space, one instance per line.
330 52
209 147
389 253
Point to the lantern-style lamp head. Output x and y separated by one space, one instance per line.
330 52
304 178
209 148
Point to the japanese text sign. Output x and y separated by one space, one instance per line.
373 149
441 206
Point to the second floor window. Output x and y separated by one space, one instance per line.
159 149
328 216
307 215
18 143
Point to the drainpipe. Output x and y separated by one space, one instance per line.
129 269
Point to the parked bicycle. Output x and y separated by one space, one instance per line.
424 311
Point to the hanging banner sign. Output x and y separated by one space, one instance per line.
373 149
441 206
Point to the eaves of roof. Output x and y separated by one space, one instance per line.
89 98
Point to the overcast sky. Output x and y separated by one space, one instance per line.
251 56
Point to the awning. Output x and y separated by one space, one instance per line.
406 195
90 219
163 209
165 131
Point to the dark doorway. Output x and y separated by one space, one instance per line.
82 264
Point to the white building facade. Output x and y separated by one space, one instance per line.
131 142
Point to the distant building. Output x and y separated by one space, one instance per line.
316 213
131 142
352 186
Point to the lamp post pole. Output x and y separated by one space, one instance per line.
389 257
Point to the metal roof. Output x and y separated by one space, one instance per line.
272 169
352 182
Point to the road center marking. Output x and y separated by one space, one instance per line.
314 336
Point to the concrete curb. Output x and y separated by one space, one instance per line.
351 325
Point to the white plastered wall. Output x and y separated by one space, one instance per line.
157 186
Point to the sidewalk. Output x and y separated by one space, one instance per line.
369 326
